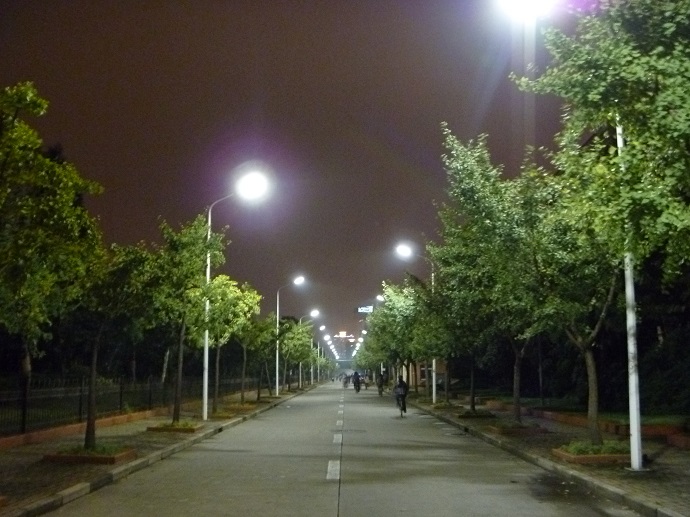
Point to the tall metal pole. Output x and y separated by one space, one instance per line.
207 308
277 341
433 361
631 325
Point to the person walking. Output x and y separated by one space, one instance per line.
400 392
379 383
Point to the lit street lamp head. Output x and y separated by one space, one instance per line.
299 280
252 186
527 10
404 250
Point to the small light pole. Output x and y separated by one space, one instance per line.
297 281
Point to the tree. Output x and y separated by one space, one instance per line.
119 293
180 264
623 76
47 239
231 308
629 68
295 343
257 337
507 273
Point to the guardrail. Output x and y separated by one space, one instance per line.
53 402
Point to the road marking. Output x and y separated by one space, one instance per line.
338 438
340 412
339 423
341 405
333 470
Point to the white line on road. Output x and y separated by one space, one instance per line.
338 438
339 423
333 470
340 412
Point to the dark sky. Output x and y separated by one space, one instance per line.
161 101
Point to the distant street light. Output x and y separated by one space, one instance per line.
297 281
252 186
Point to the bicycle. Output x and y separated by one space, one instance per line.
400 401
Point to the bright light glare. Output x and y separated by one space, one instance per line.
327 338
322 328
314 313
252 186
527 10
299 280
403 250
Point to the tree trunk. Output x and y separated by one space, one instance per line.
268 380
446 381
244 373
133 366
166 357
427 379
216 387
592 397
90 435
541 374
177 405
26 386
286 380
517 369
258 387
473 407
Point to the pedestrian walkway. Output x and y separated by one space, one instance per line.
662 489
32 486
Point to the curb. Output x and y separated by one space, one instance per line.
641 505
51 503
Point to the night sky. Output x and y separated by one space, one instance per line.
341 100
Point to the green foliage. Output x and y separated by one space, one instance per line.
627 67
47 240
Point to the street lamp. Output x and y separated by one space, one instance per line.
405 251
526 13
314 314
252 187
297 281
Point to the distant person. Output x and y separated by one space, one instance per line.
356 381
400 392
379 383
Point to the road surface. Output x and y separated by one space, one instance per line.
334 452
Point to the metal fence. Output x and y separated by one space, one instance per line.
53 402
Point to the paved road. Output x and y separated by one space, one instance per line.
333 452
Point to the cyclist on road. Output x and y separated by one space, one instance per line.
400 391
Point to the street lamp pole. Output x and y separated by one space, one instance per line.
314 313
405 251
251 186
207 308
297 281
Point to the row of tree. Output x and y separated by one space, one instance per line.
65 296
537 261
